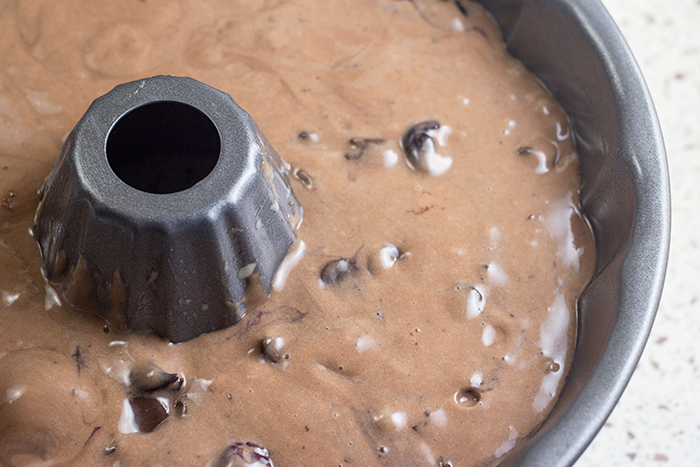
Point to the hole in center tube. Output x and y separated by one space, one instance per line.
163 147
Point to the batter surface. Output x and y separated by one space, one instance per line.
430 320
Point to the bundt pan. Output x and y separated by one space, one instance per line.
573 46
576 50
182 225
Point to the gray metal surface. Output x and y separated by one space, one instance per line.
574 47
164 245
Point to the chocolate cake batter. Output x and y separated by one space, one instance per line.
425 317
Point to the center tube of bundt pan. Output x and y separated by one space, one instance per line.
166 210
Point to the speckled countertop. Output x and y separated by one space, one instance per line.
657 421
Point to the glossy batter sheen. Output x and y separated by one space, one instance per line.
450 326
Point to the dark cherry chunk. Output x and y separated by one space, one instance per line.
244 455
338 270
414 143
150 377
149 413
271 350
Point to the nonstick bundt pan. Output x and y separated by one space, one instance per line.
205 234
